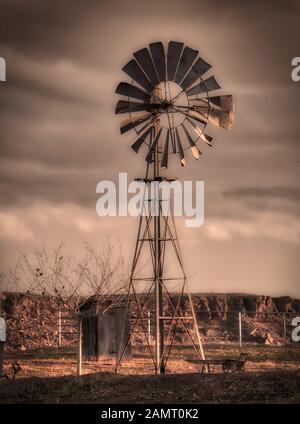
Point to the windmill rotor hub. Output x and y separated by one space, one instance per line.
165 105
165 98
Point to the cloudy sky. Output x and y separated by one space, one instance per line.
60 137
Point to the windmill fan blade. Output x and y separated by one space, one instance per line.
144 59
193 113
134 71
173 140
204 86
180 149
224 103
205 137
124 106
153 146
202 110
140 140
131 91
158 56
200 102
197 117
197 70
173 56
164 160
129 124
154 121
196 152
187 58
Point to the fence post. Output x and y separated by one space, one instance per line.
149 328
1 357
79 346
240 330
59 327
2 341
284 325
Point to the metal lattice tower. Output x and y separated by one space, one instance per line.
174 105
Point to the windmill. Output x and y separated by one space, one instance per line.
168 104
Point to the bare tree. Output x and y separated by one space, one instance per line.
47 273
104 276
99 277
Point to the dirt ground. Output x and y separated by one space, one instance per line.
263 387
48 376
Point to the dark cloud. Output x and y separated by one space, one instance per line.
59 135
23 189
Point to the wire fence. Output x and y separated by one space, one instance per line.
58 345
271 328
215 327
246 327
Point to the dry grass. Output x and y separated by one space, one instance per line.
48 376
52 362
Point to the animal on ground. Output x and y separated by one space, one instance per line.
235 365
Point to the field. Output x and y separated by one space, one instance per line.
272 375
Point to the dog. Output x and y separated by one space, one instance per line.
235 365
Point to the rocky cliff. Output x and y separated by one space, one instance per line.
32 319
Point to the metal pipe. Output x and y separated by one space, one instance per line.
59 327
159 324
79 346
156 270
